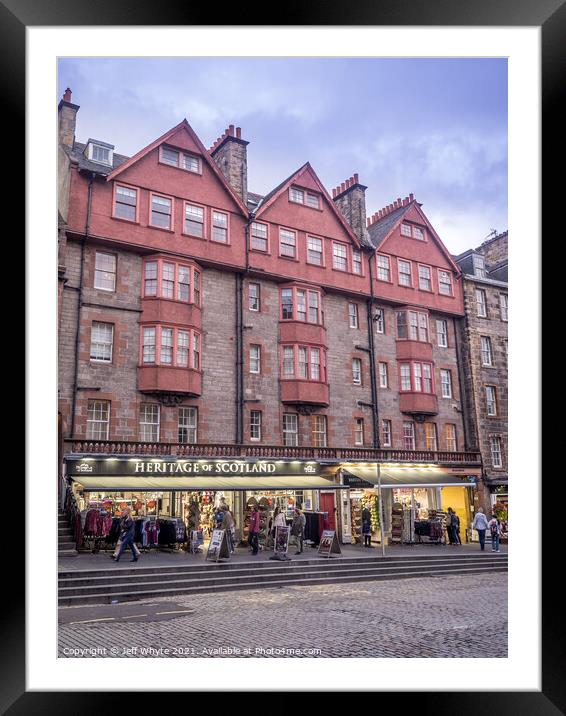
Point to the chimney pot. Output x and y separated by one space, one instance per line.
356 178
231 130
342 186
334 192
410 197
67 95
239 132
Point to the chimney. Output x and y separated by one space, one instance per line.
350 198
67 120
231 155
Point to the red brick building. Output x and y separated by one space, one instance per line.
200 319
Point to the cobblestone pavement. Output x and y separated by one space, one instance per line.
448 616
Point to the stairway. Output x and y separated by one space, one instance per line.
102 586
67 546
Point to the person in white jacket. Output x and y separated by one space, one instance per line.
480 524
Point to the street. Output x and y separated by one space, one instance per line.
444 616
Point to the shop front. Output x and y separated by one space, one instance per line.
177 503
415 502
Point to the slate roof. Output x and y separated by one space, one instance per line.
77 152
379 230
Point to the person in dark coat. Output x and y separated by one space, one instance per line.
127 532
366 526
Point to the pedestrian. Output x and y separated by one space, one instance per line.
127 532
480 525
450 526
456 528
495 531
218 516
298 529
366 526
228 526
253 536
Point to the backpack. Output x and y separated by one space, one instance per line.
494 529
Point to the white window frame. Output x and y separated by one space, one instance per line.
442 274
442 333
357 262
255 358
383 375
486 351
380 320
353 317
491 400
478 262
297 196
319 436
407 279
312 250
481 303
259 228
359 432
504 307
105 271
425 278
255 425
187 419
406 230
383 268
98 420
285 241
290 429
101 342
418 233
254 300
356 371
190 217
495 447
446 382
220 227
145 423
386 433
408 434
339 256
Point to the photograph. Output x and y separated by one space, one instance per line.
282 311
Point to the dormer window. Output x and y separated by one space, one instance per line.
99 152
181 160
479 265
296 195
307 198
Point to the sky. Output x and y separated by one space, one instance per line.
436 128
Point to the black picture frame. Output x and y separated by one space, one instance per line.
550 16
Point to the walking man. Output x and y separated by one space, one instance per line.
480 525
254 530
298 529
128 530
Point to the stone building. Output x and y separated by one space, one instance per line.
198 318
484 340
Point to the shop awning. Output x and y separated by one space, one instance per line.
188 483
407 477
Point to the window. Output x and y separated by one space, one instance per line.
416 377
313 201
418 233
405 372
290 429
319 430
168 280
353 315
491 400
357 262
255 425
445 283
423 327
418 326
294 305
220 227
450 431
406 230
177 282
425 282
315 363
98 420
303 362
125 203
100 154
356 371
149 353
314 307
255 359
194 220
259 236
405 278
442 333
383 268
486 352
149 422
431 442
340 256
168 346
289 361
314 250
446 383
161 208
254 294
479 265
408 435
495 445
402 331
380 320
179 159
386 433
481 303
101 338
287 243
359 432
383 376
296 195
183 348
188 418
503 306
105 271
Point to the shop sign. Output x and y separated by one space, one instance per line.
197 538
218 547
175 468
281 539
328 544
357 482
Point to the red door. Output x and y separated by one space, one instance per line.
327 504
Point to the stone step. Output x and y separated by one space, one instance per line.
117 576
67 544
141 569
68 553
65 532
126 596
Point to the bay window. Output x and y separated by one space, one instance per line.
302 362
170 346
300 304
415 328
416 377
175 281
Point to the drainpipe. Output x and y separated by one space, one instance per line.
461 383
240 339
79 305
373 380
